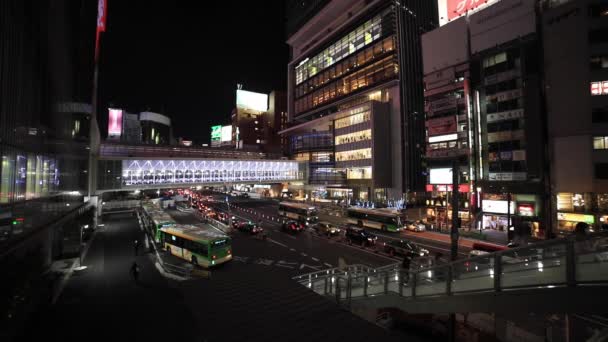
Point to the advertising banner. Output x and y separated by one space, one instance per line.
442 125
114 122
226 133
216 133
452 9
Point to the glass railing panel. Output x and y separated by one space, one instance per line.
534 266
475 274
432 281
375 283
591 261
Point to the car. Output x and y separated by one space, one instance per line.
415 226
360 236
249 227
404 248
244 195
326 228
292 226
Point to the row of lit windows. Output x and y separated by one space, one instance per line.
378 72
356 118
448 145
354 137
359 173
364 153
358 38
315 157
348 64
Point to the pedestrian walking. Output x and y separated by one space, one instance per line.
135 271
136 247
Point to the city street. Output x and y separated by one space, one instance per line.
434 242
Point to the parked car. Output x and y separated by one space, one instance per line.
360 236
244 195
404 248
249 227
326 228
415 226
292 226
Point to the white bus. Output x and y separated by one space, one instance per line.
298 211
383 219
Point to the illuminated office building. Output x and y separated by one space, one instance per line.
355 98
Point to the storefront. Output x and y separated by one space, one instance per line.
507 212
439 206
566 222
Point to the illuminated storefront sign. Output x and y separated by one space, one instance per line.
525 209
497 207
576 217
114 122
599 88
441 138
463 188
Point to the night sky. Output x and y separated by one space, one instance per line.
185 58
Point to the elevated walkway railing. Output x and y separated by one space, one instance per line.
548 264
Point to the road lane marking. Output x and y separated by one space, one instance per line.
278 243
291 249
315 259
328 265
303 254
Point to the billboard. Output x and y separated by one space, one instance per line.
216 133
440 176
250 100
452 9
226 133
497 207
114 122
442 125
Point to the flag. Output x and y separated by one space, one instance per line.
102 10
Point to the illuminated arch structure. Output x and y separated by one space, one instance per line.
167 172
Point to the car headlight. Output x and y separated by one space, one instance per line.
369 239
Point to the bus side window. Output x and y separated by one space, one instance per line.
167 238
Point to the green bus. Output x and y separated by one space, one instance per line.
298 211
383 219
201 245
155 219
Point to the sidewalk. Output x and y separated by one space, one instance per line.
104 296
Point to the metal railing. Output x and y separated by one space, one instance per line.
560 262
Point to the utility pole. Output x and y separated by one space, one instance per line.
454 240
454 230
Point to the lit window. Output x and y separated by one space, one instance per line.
599 88
600 143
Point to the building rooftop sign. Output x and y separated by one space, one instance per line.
250 100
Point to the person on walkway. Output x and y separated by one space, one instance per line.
135 271
136 247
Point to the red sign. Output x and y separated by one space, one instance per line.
441 125
102 10
457 8
464 188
